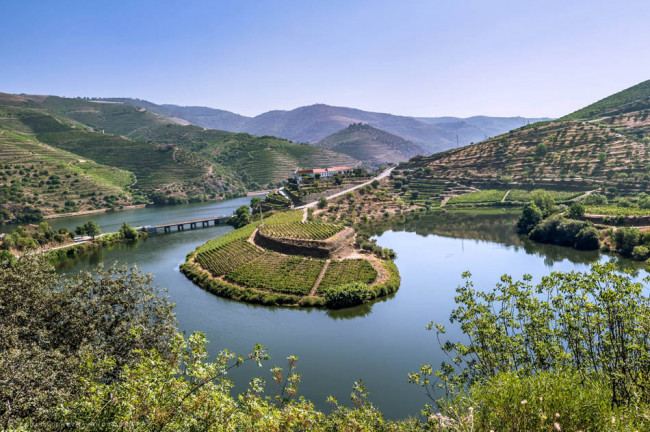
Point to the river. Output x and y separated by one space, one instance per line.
378 343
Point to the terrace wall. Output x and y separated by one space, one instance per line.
311 248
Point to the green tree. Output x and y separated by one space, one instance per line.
92 229
128 232
342 296
625 239
587 239
530 217
50 326
322 202
595 199
255 202
593 322
544 201
576 211
242 217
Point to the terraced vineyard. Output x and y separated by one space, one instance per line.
279 273
605 145
56 181
525 195
484 196
302 230
150 156
236 266
347 271
228 256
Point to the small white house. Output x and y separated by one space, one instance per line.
298 174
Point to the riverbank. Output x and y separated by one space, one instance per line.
93 212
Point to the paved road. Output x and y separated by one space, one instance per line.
384 174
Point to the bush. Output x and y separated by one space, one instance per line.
576 211
128 232
322 202
626 239
587 239
640 253
544 201
352 294
531 215
511 401
595 199
558 231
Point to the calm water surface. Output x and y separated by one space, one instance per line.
379 343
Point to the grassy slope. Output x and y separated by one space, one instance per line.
635 98
608 152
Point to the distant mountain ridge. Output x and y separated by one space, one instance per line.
374 147
314 122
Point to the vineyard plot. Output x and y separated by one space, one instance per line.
302 230
279 273
228 257
347 271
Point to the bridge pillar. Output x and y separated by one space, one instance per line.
180 227
205 223
168 229
192 225
216 221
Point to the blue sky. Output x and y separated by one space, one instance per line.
411 57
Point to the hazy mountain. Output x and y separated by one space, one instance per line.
315 122
370 145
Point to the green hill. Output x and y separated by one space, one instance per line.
635 98
372 146
609 152
139 156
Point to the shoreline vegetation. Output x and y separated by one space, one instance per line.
62 244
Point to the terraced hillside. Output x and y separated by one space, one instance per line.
611 152
258 161
237 266
34 175
372 146
142 156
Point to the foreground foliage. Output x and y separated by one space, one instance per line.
49 325
576 343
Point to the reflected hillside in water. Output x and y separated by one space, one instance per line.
495 227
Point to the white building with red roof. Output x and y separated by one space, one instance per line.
299 174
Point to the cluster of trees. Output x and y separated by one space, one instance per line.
90 228
631 242
541 221
23 240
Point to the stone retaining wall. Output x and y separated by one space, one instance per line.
312 248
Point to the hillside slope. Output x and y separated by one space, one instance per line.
127 154
635 98
609 152
372 146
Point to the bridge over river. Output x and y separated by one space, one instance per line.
180 225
